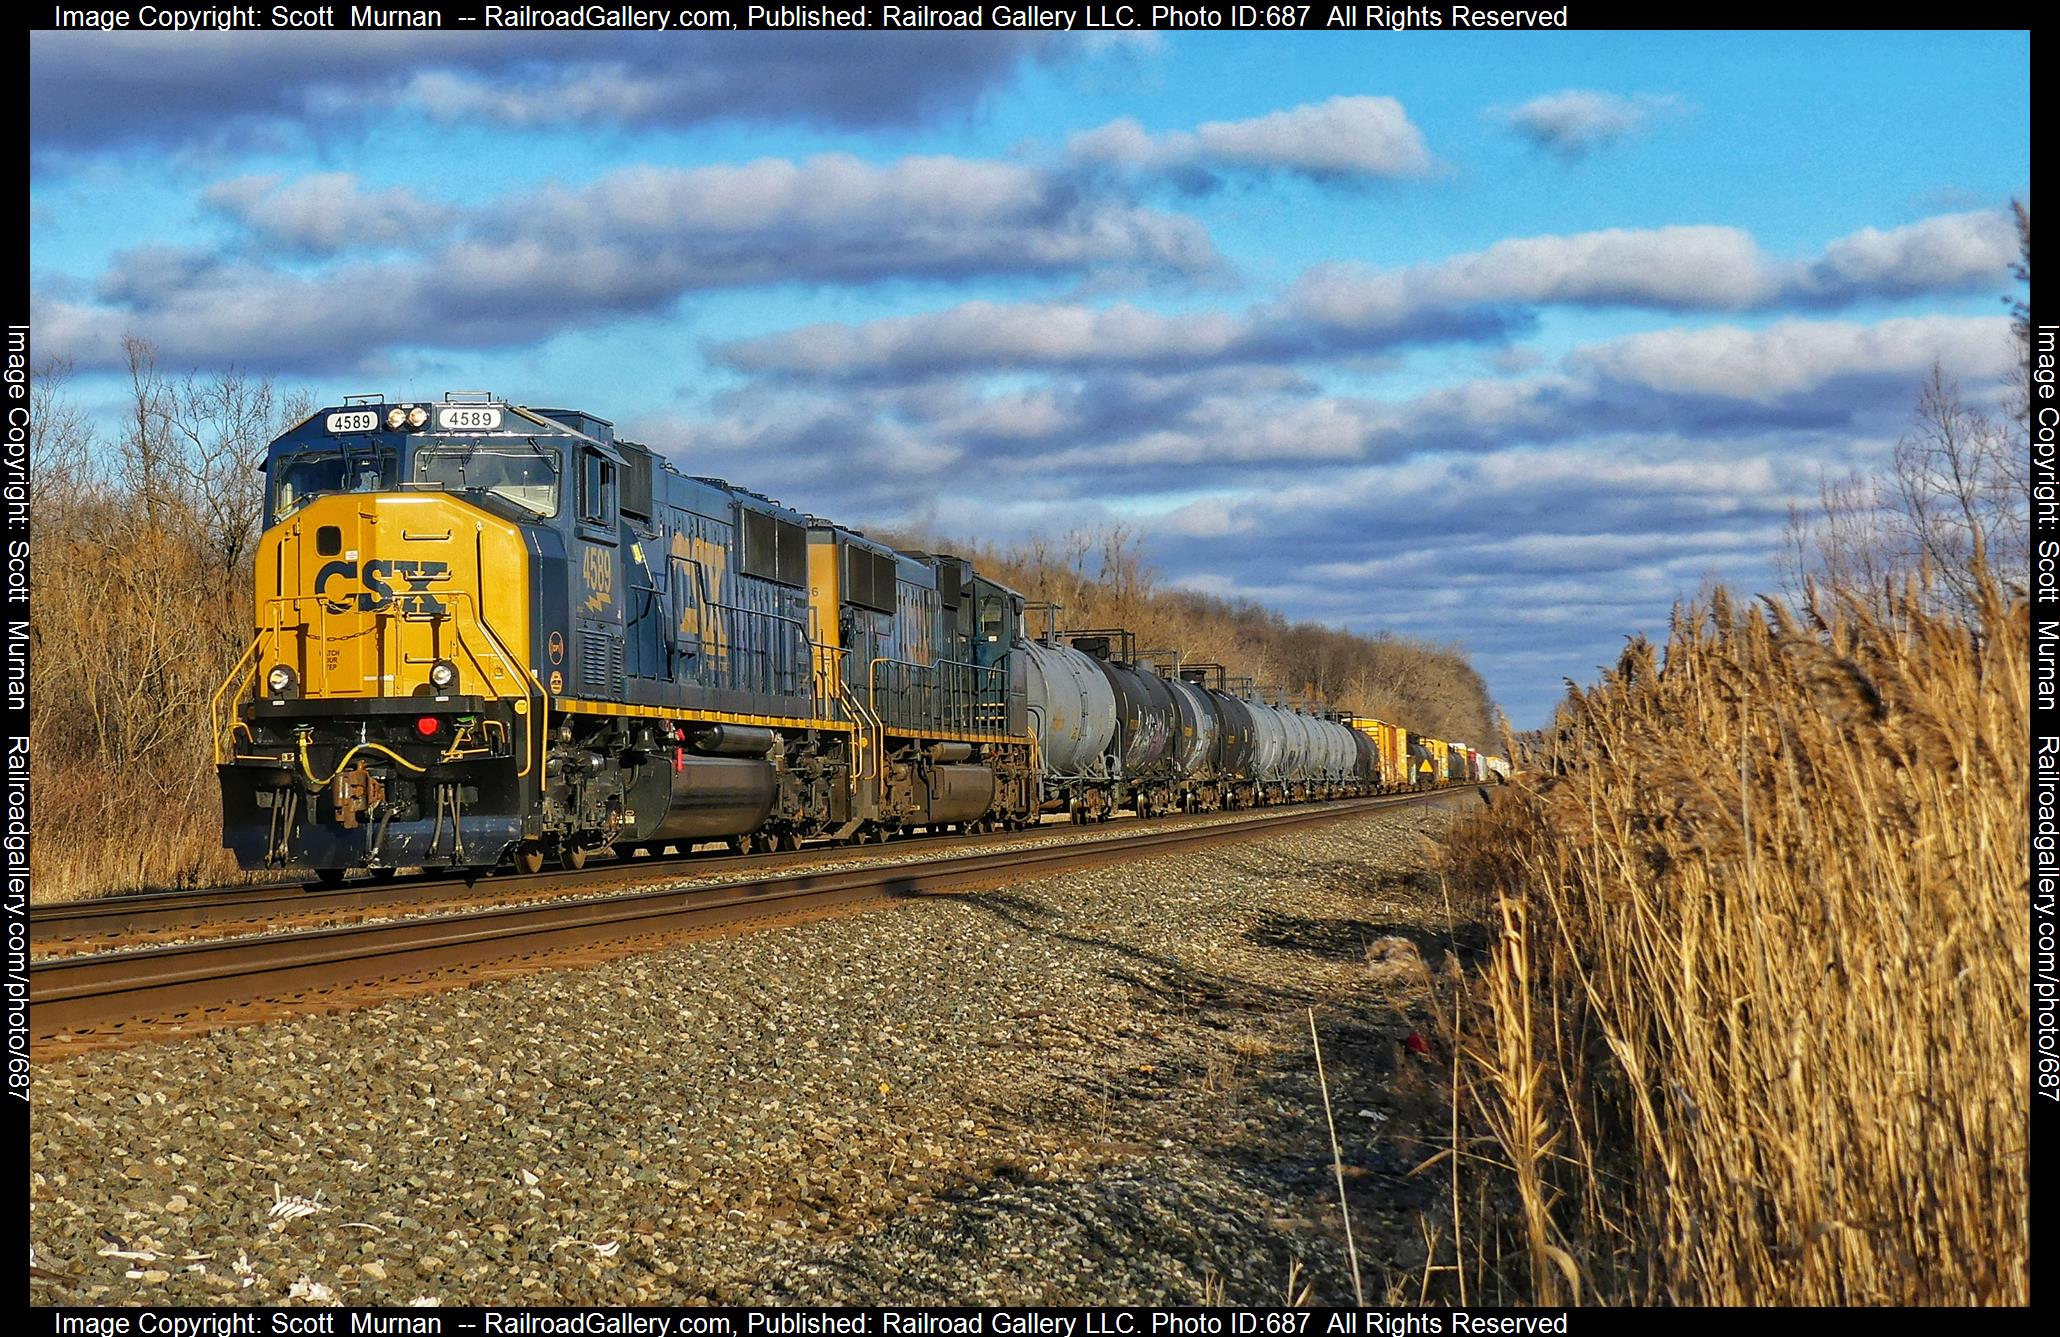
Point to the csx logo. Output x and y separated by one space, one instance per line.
378 579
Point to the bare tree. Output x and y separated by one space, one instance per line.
1955 503
220 426
1846 539
143 450
1961 488
61 436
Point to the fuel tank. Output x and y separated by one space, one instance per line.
715 796
1071 705
1194 742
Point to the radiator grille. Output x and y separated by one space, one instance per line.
600 660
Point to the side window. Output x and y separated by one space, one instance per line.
596 490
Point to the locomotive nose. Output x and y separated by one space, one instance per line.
381 595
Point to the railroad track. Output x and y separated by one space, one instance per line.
198 985
107 920
134 919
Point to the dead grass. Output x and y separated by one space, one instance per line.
1753 1027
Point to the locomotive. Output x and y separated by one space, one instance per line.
493 634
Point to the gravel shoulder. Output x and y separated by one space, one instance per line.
1095 1088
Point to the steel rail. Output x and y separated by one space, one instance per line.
112 916
88 993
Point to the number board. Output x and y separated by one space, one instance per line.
354 420
468 419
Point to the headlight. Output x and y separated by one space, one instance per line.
417 416
443 675
280 680
395 417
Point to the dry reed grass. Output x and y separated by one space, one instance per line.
1752 1030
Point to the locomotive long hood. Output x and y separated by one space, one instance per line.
361 594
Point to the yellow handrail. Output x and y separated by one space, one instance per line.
875 737
223 727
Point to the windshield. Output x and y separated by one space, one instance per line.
298 479
524 474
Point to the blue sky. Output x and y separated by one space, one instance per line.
1502 340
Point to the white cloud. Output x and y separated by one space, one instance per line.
1947 251
1766 365
1343 137
1340 309
327 212
516 270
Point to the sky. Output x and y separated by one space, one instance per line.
1504 341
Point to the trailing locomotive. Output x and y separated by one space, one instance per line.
489 633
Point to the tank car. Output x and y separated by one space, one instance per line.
1195 745
1269 752
1109 727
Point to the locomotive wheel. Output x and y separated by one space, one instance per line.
329 879
529 857
572 857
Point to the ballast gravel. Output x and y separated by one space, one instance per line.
1096 1087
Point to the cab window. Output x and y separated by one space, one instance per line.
525 475
596 490
298 479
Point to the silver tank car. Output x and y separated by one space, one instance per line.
1320 744
1269 741
1301 753
1333 750
1351 759
1348 748
1072 707
1194 746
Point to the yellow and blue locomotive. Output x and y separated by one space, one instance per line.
488 632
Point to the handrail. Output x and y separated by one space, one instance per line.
874 731
223 728
730 648
966 689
